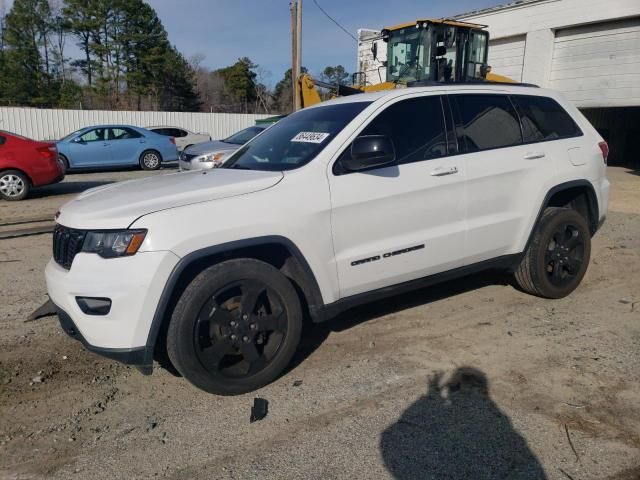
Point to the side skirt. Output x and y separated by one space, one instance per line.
331 310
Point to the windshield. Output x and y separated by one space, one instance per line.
409 54
295 140
243 136
72 134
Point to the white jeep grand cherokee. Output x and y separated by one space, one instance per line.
351 200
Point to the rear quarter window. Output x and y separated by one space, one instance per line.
543 119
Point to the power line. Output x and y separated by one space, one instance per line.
335 21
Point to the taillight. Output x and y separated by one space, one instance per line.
172 140
50 152
604 148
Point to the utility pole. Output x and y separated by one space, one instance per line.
296 51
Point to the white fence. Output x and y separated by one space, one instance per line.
45 124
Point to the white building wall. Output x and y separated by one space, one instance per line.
371 68
588 49
50 124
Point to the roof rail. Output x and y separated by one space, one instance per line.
431 83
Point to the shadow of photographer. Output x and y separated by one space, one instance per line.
456 431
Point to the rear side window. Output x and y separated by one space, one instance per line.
176 132
2 140
544 119
416 128
162 131
486 122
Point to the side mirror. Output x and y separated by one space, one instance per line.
78 140
370 151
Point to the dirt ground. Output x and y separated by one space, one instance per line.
470 379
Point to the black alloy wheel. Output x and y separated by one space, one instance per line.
564 254
240 329
558 254
235 327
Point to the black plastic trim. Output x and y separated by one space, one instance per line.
130 356
505 262
594 226
314 302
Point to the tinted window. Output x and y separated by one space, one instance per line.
243 136
163 131
543 119
178 133
416 128
123 133
295 140
95 135
2 140
487 121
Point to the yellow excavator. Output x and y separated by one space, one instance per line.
423 52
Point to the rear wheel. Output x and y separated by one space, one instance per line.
235 328
558 256
150 160
14 185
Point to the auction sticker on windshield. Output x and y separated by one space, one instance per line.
310 137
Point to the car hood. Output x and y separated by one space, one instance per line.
211 147
118 205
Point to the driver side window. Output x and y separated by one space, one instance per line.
95 135
415 127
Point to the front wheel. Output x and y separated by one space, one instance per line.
558 256
235 328
150 160
14 185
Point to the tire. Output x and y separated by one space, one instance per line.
224 347
65 162
558 255
150 160
14 185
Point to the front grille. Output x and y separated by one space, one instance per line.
67 242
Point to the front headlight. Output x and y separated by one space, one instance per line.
113 243
212 157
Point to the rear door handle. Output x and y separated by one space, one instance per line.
533 155
441 171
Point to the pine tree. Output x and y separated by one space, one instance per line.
26 65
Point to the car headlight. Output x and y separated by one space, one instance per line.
212 157
113 243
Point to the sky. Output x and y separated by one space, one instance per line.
225 30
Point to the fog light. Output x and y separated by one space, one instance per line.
94 305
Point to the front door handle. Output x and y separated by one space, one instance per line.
533 155
441 171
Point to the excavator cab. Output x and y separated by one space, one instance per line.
436 51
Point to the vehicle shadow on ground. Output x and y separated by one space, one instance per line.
314 335
65 188
456 431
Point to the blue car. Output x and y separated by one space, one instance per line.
116 146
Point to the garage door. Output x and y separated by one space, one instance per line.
598 65
506 56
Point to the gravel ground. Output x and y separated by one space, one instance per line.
469 379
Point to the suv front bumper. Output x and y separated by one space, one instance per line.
133 284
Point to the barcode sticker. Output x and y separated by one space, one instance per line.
310 137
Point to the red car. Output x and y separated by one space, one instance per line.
26 163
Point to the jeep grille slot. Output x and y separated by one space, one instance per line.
67 242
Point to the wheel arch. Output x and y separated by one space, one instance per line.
278 251
577 194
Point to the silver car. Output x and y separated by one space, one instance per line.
213 154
